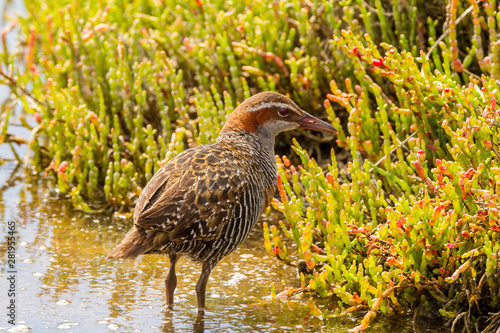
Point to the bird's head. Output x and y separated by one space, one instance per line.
270 113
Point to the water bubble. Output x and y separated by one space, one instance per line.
66 326
247 255
113 327
19 329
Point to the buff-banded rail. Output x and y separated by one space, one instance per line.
203 203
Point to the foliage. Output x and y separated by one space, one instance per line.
430 221
119 87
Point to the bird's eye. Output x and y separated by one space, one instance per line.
283 112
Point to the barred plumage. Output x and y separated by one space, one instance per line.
203 203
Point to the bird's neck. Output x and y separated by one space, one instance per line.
257 146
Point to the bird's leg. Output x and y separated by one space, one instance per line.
171 281
199 324
201 286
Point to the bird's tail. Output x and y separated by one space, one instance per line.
131 246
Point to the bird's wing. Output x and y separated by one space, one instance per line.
193 196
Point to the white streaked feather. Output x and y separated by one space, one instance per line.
275 104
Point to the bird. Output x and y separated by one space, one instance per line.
203 202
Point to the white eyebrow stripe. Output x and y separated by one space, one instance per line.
278 104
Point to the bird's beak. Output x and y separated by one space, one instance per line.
313 123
